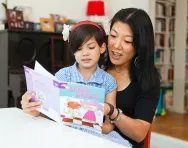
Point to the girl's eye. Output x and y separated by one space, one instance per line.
91 47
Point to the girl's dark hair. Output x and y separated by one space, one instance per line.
84 33
143 42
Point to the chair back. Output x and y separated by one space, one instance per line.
147 139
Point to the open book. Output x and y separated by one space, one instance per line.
67 103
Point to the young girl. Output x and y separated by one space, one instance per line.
87 42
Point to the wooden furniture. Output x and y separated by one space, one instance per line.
147 139
18 48
65 55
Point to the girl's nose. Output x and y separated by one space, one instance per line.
85 52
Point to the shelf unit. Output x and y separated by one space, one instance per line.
164 40
171 50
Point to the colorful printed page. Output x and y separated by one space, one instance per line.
82 106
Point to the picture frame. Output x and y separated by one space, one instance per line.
15 19
27 13
58 18
55 17
28 26
58 26
47 24
37 27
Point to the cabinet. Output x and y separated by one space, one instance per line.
18 48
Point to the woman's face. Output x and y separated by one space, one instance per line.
120 44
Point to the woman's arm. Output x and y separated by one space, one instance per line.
135 129
144 112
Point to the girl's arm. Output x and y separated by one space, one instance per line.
107 125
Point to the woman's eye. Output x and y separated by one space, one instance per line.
128 42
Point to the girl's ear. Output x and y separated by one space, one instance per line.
103 48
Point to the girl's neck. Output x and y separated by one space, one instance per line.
86 72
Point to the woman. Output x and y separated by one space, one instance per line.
130 60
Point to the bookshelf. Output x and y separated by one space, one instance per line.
164 40
170 20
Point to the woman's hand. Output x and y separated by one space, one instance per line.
30 107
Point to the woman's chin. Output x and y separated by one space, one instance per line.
115 61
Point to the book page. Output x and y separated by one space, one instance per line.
46 91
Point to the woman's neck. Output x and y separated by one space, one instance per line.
121 68
86 72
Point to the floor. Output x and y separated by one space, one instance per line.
173 124
170 131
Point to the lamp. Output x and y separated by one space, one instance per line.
95 8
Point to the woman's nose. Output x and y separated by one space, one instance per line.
117 44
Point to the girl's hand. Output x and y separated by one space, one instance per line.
106 109
30 107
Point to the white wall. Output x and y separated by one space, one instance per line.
74 9
143 4
2 11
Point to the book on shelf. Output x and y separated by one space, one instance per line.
171 40
172 25
160 40
160 9
170 73
159 56
162 72
160 25
165 8
72 104
171 60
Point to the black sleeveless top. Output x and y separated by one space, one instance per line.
137 104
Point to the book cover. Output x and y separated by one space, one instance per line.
67 103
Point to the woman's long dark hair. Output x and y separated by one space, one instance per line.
143 42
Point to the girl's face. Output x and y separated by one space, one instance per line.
87 56
120 44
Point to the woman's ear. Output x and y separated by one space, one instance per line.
103 48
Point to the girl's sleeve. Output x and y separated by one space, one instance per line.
110 84
61 74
